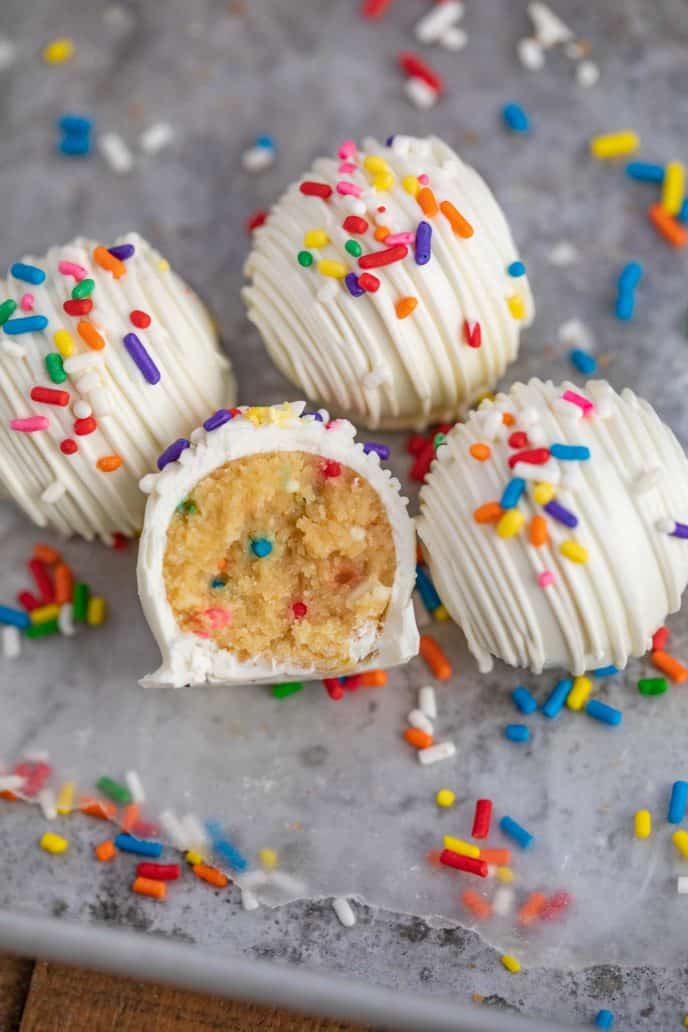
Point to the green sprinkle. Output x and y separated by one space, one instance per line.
6 309
281 691
80 598
652 685
438 439
53 363
83 289
305 258
354 248
187 508
42 630
113 790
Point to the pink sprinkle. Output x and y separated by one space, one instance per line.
30 424
399 238
72 269
546 579
26 302
333 424
217 617
349 188
347 150
578 399
424 179
346 168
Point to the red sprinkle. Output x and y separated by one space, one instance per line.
419 469
482 818
535 456
415 444
27 601
367 281
145 829
49 396
82 427
68 446
355 224
120 542
78 306
43 581
335 689
374 8
160 872
35 776
312 189
330 468
353 682
469 864
555 905
414 66
140 319
472 333
299 609
377 259
255 220
660 639
519 439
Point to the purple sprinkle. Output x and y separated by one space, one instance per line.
680 530
422 244
122 251
559 513
150 371
316 416
172 452
380 449
390 141
351 280
218 419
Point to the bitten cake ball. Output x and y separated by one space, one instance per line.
274 546
552 525
105 355
386 284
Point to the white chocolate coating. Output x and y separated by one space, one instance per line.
354 353
189 659
594 614
135 419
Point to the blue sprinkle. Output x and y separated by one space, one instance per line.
261 547
266 142
122 251
515 118
30 324
217 419
583 361
557 697
172 452
129 844
677 803
27 273
224 848
389 141
517 732
351 281
380 449
569 452
75 125
559 513
426 589
683 213
516 269
523 700
514 831
217 582
14 617
75 146
630 276
422 245
645 172
604 1019
625 306
512 493
600 711
605 671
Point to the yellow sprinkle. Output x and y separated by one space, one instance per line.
680 840
58 51
445 797
643 824
376 163
65 798
315 238
164 265
328 267
673 187
510 963
383 181
510 523
281 415
457 845
485 396
578 696
268 858
95 613
53 843
685 1021
574 551
614 145
44 613
505 874
411 185
543 493
259 415
64 342
440 614
193 858
516 306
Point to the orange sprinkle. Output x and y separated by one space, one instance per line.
476 903
480 451
508 418
435 657
131 814
97 808
405 306
105 851
373 679
11 797
222 564
417 738
63 584
427 201
89 334
150 887
458 223
381 233
667 226
499 857
670 666
433 857
102 257
532 908
538 533
490 512
109 463
46 554
211 875
419 553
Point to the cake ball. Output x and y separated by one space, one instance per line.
275 547
105 355
551 521
386 284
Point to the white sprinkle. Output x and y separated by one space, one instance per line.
147 483
11 642
156 137
420 93
357 533
8 52
438 19
503 902
253 880
344 912
53 492
256 159
454 39
11 783
646 481
88 382
46 800
76 363
195 835
328 291
564 408
65 620
173 829
355 205
376 377
682 885
563 253
12 348
197 435
135 786
530 54
665 526
576 334
417 718
427 701
549 29
423 617
116 153
435 753
249 900
587 73
82 409
604 409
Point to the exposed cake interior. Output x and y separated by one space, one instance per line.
283 555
